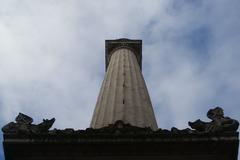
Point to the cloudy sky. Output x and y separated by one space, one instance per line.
52 57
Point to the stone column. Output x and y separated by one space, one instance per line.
123 95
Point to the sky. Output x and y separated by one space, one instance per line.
52 57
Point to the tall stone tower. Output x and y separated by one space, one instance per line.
123 95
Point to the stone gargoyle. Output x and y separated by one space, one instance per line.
24 125
219 123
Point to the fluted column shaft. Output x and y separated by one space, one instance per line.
123 95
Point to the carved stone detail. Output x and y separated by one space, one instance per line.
119 127
24 125
219 123
134 45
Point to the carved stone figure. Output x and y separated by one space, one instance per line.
24 125
219 123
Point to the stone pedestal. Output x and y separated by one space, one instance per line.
119 144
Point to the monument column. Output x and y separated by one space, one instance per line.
123 95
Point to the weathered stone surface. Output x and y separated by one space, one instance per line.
219 126
219 123
24 125
121 141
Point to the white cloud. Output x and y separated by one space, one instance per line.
52 56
